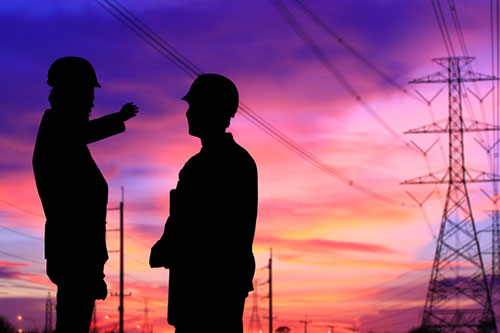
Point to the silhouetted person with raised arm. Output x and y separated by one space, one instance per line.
207 242
73 191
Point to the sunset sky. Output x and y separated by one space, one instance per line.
340 256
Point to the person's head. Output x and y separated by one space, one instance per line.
73 80
213 101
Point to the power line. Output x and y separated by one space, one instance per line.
442 28
131 238
393 324
21 209
117 269
351 49
22 258
130 257
21 233
463 46
148 38
140 30
321 56
41 239
369 291
307 39
177 54
391 297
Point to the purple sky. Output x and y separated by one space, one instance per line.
330 241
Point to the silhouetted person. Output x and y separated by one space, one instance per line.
207 242
73 191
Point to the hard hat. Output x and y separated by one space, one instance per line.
72 71
216 91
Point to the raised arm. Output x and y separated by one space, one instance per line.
111 124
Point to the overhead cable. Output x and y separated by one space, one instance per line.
148 35
351 49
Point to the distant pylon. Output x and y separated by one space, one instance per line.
255 324
458 297
146 326
48 314
493 272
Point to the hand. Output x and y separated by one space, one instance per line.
128 111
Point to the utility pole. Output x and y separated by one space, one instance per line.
121 294
458 297
122 308
305 322
48 314
270 267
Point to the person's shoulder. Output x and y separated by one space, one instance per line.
243 157
192 164
193 160
47 117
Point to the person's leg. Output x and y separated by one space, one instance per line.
233 311
224 314
74 309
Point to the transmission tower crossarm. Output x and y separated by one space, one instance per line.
442 77
430 178
478 126
442 126
476 176
438 77
442 177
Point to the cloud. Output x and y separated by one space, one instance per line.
345 238
10 270
320 246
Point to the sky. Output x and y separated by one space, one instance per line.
340 257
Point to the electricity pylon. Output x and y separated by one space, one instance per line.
458 298
48 314
146 326
255 324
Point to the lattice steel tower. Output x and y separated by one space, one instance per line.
458 298
255 324
48 314
146 326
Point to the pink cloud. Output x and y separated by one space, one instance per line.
321 245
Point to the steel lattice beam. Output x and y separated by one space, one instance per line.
458 297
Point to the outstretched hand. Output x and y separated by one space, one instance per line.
128 111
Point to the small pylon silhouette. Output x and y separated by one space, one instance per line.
255 324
